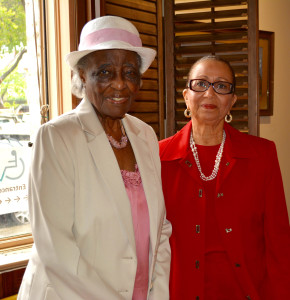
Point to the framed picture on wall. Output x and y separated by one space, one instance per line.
266 72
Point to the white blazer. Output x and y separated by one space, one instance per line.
81 216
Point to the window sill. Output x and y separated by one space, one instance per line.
10 298
15 252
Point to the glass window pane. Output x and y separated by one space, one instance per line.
19 109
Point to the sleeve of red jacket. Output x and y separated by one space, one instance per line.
277 232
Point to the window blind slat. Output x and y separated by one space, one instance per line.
137 4
208 4
211 15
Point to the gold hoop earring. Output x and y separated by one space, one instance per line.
187 113
228 118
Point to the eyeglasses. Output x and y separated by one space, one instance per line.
202 85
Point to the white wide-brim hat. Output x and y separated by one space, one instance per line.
111 32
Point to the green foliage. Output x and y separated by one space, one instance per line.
15 84
12 41
15 103
12 26
7 105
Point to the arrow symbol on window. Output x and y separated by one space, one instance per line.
8 200
17 199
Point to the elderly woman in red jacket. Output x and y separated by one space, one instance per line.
225 199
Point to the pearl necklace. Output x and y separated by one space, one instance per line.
217 159
122 143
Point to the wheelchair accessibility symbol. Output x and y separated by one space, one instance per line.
14 168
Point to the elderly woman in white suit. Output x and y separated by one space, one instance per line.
95 197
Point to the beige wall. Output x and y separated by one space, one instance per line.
274 15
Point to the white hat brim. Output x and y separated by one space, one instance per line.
147 54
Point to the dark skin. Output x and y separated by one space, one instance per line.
112 80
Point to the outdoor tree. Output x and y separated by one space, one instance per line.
12 49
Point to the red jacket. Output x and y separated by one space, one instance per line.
251 214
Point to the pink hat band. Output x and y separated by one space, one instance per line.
109 34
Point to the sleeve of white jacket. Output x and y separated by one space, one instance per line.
160 278
51 202
159 289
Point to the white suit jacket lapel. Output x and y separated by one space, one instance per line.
107 165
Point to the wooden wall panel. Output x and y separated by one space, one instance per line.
10 282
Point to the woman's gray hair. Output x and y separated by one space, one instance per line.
77 87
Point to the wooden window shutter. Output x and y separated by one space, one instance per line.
80 13
147 17
227 28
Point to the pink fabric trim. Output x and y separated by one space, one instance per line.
109 34
140 217
133 178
